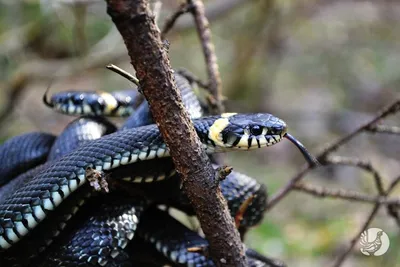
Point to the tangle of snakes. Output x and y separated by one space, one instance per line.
89 197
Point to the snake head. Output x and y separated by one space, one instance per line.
247 131
250 131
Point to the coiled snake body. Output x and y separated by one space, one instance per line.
49 197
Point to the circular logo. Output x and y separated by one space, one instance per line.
374 242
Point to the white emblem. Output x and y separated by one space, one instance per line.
374 242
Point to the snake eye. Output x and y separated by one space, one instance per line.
256 130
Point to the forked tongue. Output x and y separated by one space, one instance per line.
307 155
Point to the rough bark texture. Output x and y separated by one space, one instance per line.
148 56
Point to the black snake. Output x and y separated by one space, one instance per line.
129 151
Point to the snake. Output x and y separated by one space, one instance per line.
142 115
78 132
37 199
23 152
82 130
120 103
99 233
182 246
29 205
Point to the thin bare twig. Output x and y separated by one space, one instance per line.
288 187
394 183
123 73
354 240
365 165
372 214
322 157
384 129
203 30
392 210
214 10
391 109
170 22
340 193
192 78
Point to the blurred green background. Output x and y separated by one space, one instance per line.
325 67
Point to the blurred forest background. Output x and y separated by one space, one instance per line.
325 67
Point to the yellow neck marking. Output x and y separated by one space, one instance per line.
110 102
218 126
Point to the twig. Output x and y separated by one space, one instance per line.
354 240
169 23
142 38
214 10
392 210
192 78
288 187
203 30
123 73
344 194
367 166
384 129
391 109
394 183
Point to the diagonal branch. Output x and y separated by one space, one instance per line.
170 22
350 195
367 222
392 209
365 165
150 60
391 109
203 29
354 240
322 157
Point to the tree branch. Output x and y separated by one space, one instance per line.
143 41
170 22
344 194
367 166
123 73
203 30
322 157
367 222
391 109
354 240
